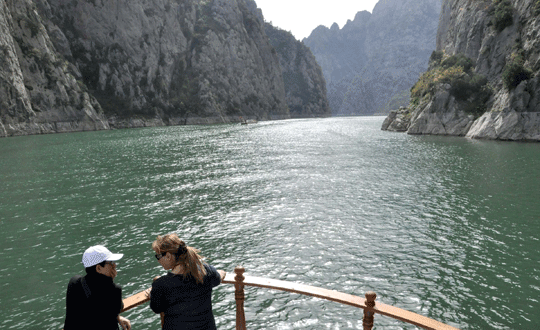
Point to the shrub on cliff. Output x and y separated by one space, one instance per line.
503 15
443 70
427 83
473 90
436 57
458 60
515 72
465 85
439 58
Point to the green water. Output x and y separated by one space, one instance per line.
445 227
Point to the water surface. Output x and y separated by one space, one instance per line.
445 227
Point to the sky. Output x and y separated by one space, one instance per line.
300 17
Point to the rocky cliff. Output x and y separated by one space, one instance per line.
483 80
373 61
40 92
97 64
305 87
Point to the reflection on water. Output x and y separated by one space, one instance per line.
444 227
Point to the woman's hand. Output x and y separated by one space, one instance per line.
124 323
222 274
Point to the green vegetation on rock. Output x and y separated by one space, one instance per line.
457 71
502 14
515 72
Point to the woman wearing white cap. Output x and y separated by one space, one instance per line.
94 301
185 293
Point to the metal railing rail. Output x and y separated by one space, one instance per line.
367 304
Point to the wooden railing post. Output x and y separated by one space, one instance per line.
239 297
367 322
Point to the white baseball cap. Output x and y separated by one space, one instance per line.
97 254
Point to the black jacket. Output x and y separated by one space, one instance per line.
99 310
186 303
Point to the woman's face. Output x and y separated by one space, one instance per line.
167 261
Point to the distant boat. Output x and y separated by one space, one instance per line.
247 121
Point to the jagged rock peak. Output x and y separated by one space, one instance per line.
372 62
363 15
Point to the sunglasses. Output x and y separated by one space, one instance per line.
112 263
160 255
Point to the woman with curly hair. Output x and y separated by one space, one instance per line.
184 295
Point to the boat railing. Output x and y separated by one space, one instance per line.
368 303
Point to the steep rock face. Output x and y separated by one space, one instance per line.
182 61
95 64
506 53
372 62
39 90
431 121
397 120
305 87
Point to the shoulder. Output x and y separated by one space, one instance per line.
117 287
210 270
162 281
75 279
74 287
212 275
